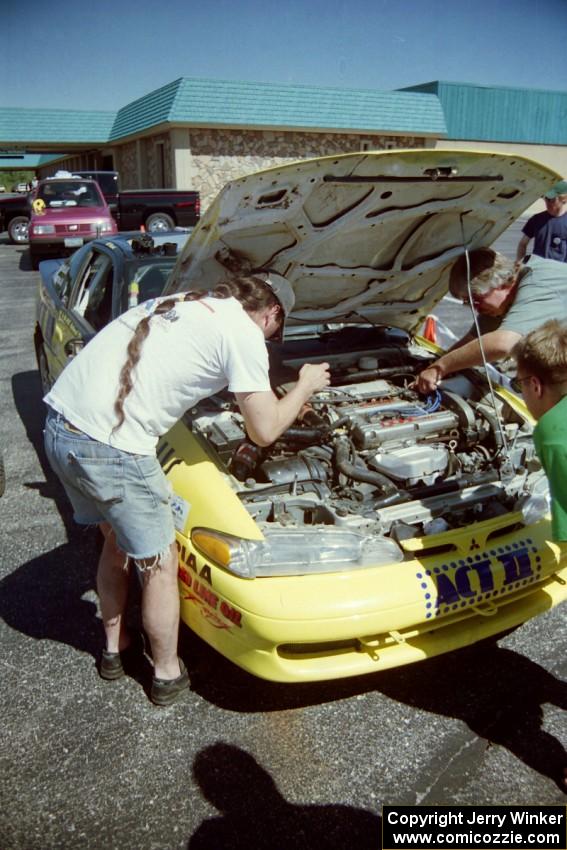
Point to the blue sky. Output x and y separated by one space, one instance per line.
73 55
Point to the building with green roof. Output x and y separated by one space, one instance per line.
500 114
201 133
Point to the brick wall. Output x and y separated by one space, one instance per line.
219 156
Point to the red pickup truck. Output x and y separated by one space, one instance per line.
156 209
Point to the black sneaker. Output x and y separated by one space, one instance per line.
166 691
114 664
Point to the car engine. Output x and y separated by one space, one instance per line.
370 453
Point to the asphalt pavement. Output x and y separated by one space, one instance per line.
238 762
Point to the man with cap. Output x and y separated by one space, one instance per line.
111 404
510 301
548 229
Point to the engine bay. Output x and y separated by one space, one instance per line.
369 453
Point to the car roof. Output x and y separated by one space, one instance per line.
121 243
126 242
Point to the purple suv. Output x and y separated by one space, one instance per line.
66 213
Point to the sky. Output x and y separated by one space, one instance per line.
62 54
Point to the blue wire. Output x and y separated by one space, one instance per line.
432 403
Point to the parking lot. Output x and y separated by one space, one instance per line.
238 762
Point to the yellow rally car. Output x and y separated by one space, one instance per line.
384 527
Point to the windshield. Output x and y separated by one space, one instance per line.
107 180
70 193
146 279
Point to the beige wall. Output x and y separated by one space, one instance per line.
553 156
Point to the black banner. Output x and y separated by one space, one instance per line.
474 827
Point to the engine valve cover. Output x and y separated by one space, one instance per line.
413 464
368 435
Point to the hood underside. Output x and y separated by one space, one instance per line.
361 237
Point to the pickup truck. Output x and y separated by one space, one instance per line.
15 214
157 210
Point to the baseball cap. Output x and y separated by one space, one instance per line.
283 291
556 190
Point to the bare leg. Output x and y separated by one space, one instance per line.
160 613
112 586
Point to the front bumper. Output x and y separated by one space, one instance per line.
312 628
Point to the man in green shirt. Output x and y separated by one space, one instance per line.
541 358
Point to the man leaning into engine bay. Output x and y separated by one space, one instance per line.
510 300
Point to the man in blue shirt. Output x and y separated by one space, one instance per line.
548 229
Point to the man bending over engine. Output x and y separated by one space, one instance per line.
510 302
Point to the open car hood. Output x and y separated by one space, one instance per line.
364 236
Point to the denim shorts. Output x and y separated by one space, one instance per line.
105 484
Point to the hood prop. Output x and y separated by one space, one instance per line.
504 448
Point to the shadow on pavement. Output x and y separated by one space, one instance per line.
253 813
26 391
497 692
44 597
25 259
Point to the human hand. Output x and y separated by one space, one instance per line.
427 381
314 377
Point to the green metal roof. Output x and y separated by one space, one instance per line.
73 126
501 114
203 102
207 102
148 111
439 109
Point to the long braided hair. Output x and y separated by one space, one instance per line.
251 291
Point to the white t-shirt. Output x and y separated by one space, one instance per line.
192 352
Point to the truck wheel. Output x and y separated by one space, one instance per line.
159 222
18 230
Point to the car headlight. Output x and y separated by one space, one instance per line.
103 227
42 229
296 551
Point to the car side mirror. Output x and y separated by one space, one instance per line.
73 346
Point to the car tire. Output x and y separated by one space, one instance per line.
43 366
18 230
159 222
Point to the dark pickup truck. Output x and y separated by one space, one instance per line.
155 209
14 217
